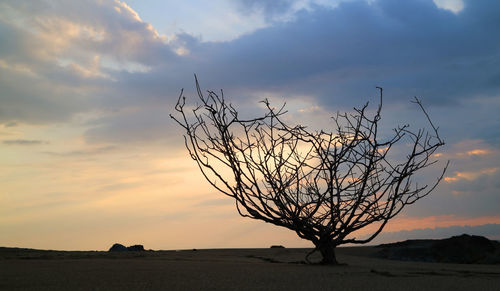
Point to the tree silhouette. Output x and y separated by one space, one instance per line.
323 185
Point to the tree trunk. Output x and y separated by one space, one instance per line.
327 250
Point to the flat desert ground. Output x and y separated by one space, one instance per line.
232 269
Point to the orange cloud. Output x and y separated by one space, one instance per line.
471 175
468 148
478 152
123 7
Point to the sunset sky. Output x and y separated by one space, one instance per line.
89 155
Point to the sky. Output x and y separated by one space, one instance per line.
89 155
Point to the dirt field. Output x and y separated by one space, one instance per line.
238 269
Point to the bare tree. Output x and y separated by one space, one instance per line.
323 185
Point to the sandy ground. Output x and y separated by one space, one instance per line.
237 269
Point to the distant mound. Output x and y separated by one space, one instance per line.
277 247
136 248
463 249
121 248
117 248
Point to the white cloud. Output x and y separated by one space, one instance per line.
454 6
71 54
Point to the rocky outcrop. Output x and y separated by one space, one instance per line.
136 248
121 248
117 248
463 249
277 247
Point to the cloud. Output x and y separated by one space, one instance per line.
10 124
341 54
23 142
454 6
99 69
84 153
71 55
101 54
477 152
332 58
101 57
470 176
115 187
470 187
285 10
144 126
491 231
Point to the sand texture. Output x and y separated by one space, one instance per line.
232 269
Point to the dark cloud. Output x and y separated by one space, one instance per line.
270 9
10 124
336 57
23 142
32 100
84 153
338 54
140 126
333 56
471 202
118 187
491 231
